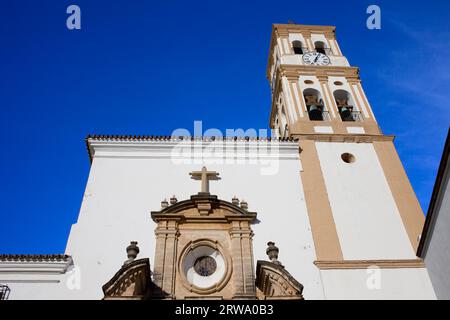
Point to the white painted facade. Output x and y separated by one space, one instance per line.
128 180
370 228
378 284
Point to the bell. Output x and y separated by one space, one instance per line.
346 114
315 113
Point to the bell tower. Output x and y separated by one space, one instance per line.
360 203
314 88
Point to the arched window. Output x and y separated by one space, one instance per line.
320 47
346 106
314 105
297 46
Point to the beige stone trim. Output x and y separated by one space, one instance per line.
333 101
364 264
337 47
355 98
284 29
309 43
327 97
402 191
302 100
286 45
294 96
358 138
326 240
351 73
280 46
305 127
364 98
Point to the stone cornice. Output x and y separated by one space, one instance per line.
358 138
285 29
351 73
205 205
185 148
364 264
44 264
34 257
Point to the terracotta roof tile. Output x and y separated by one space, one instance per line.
34 257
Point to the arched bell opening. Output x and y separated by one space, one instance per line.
346 105
314 105
297 46
320 47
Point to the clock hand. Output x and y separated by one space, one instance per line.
317 57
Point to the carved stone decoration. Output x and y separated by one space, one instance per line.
132 252
274 282
272 252
131 281
204 228
173 200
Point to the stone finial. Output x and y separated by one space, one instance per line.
244 205
173 200
164 204
132 252
272 251
235 201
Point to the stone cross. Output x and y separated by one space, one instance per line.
204 176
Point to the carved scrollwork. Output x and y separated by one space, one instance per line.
131 281
274 282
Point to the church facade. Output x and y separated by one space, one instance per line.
321 210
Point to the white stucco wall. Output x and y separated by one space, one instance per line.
127 181
436 249
378 284
367 220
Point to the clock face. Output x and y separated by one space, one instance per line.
316 58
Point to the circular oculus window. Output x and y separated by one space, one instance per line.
204 267
348 158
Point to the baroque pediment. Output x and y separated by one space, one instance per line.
273 281
203 206
132 281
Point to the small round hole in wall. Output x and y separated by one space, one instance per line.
309 82
338 83
348 158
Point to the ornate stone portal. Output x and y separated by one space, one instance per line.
203 251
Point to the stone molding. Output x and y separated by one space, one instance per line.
35 263
275 282
364 264
190 148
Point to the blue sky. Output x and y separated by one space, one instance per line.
141 67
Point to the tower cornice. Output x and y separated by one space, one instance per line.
285 29
351 73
